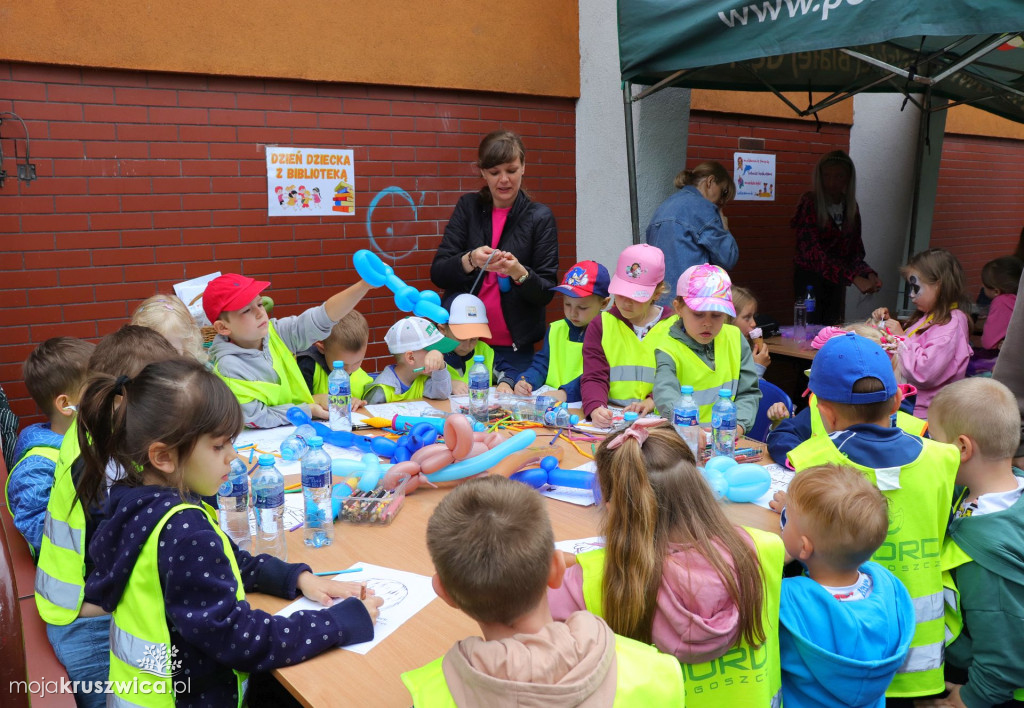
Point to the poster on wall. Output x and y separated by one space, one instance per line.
310 181
754 175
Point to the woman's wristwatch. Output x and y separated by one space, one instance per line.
522 279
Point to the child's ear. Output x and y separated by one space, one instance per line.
678 306
63 406
806 548
441 591
966 447
319 346
828 416
163 458
897 400
556 572
604 303
221 327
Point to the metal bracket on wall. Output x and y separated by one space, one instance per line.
26 170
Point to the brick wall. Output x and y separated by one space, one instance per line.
149 179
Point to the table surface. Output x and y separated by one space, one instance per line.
343 678
785 346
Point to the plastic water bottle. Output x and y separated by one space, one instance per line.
810 301
293 448
316 495
479 389
560 417
723 424
268 498
233 503
339 398
686 419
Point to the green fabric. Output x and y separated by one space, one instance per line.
904 421
795 44
694 371
359 380
414 392
565 358
483 349
291 387
630 359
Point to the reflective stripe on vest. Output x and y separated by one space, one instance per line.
952 557
358 379
691 370
60 573
483 349
904 421
630 360
565 357
290 389
918 511
644 677
744 675
140 640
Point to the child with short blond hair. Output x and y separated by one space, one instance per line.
845 617
346 342
419 370
492 546
169 316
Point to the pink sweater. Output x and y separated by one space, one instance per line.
998 320
934 357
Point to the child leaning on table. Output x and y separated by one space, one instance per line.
845 623
346 342
255 354
172 579
986 534
493 550
419 370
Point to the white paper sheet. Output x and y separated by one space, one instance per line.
269 441
781 477
404 595
187 292
580 545
617 420
579 497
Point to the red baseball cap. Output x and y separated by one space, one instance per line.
230 292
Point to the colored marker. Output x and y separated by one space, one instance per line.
338 572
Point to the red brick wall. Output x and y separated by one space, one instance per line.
979 208
149 179
766 241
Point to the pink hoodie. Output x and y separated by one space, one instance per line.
696 620
935 357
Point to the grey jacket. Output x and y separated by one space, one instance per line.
438 387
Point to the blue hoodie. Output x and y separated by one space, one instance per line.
842 653
28 491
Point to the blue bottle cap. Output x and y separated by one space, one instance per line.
724 393
266 460
478 358
631 416
686 390
338 365
315 441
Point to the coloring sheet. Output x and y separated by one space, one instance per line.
404 595
580 545
781 478
579 497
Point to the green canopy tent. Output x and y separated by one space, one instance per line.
965 51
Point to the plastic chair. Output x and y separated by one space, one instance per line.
770 394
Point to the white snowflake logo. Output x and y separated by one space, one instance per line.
160 660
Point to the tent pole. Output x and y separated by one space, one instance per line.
634 203
922 135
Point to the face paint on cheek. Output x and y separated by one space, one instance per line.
913 286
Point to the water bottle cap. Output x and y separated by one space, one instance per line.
686 390
574 419
478 358
631 416
315 441
565 406
338 365
724 393
266 460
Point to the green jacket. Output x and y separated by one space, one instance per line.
992 601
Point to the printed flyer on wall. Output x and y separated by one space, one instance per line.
754 174
310 181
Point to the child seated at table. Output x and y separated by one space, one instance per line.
169 316
467 325
1000 279
845 623
255 354
559 362
700 350
54 375
492 546
980 417
346 342
856 390
746 307
419 370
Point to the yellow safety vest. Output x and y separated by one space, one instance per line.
744 675
139 636
691 370
644 677
904 421
60 573
359 380
919 495
565 358
291 387
630 360
414 393
480 348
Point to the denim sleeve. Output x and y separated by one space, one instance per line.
28 493
718 242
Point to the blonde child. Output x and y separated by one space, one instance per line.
254 354
980 417
1000 279
618 366
493 550
171 428
468 326
346 342
169 316
937 345
832 521
702 351
419 370
559 363
746 307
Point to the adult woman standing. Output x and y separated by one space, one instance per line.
689 226
514 241
829 249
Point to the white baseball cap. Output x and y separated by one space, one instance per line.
467 317
411 334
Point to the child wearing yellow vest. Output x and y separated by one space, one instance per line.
678 574
492 547
468 326
700 350
983 547
346 342
618 363
255 354
419 370
559 363
856 392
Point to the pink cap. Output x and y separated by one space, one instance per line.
706 288
641 268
